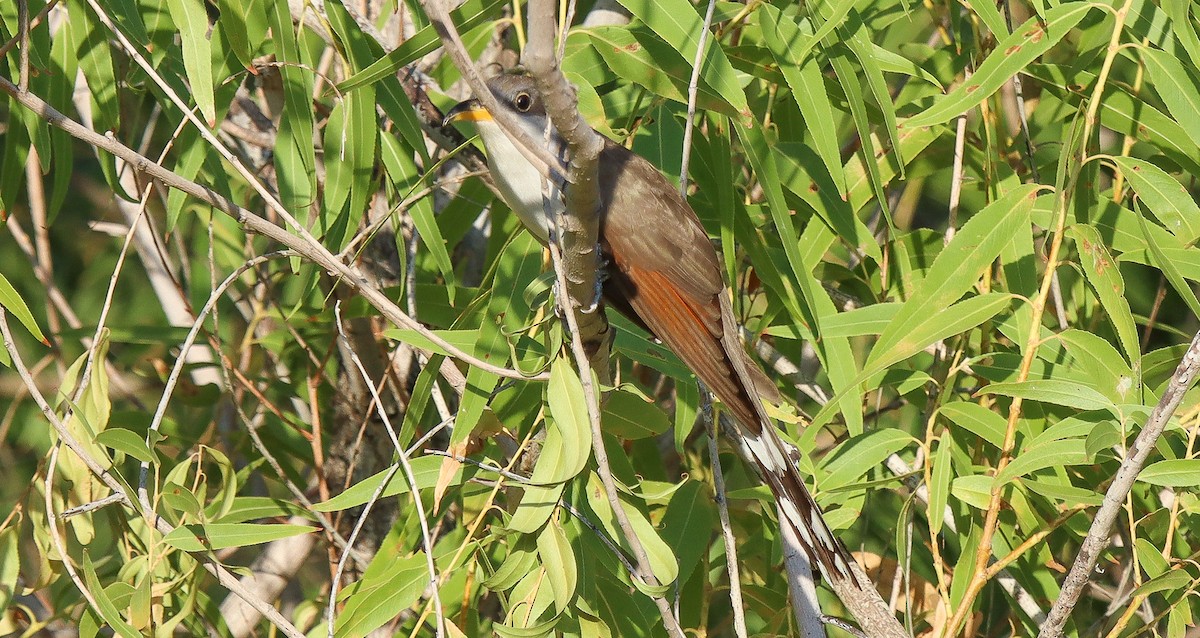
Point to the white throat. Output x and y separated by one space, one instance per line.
519 181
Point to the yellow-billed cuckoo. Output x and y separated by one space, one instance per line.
662 272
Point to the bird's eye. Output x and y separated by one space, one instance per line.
523 102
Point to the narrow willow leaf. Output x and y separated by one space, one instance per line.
639 55
1183 25
956 269
466 17
977 420
678 24
857 455
1172 473
198 538
295 157
425 471
629 416
1171 581
1026 44
957 319
10 564
11 301
688 523
803 76
558 558
1169 267
1105 278
1052 454
1166 198
126 441
662 560
1178 88
523 257
381 596
1121 111
939 486
569 430
107 608
1071 394
191 20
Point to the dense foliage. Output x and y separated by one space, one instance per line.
961 235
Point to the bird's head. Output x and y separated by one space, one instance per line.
515 93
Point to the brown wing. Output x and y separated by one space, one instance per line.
665 269
664 273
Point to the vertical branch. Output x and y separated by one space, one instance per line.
579 227
731 561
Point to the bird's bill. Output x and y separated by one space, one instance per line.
468 111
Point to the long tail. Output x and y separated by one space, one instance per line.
777 465
704 333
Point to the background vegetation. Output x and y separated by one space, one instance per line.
961 235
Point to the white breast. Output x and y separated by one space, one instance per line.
519 182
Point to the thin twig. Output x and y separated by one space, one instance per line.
643 572
224 577
408 474
731 561
56 537
693 92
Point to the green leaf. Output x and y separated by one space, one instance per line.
1120 110
955 270
464 340
10 564
558 558
939 486
803 75
1171 581
1026 44
977 420
1177 86
126 441
198 538
857 455
466 17
107 608
425 470
975 491
568 437
378 599
1174 473
1052 454
957 319
1169 267
295 158
1164 196
662 561
638 55
12 302
1057 391
191 20
679 25
1105 278
630 416
688 523
1150 559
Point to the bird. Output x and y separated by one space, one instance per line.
660 270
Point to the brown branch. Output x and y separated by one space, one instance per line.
579 227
